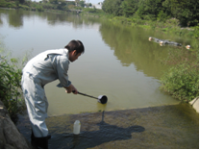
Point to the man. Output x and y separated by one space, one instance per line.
40 70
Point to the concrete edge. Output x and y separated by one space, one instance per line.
195 104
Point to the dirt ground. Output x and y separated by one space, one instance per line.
165 127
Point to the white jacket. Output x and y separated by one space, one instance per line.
49 66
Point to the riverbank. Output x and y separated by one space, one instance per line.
169 127
136 128
170 26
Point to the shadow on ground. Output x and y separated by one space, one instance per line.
89 139
165 127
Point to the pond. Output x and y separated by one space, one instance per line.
118 62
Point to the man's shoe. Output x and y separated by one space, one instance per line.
41 142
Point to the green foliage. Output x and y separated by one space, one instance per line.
24 7
152 7
172 22
82 3
129 7
162 16
47 6
21 1
11 3
4 3
39 8
10 93
42 5
113 7
88 5
92 10
182 82
139 13
186 11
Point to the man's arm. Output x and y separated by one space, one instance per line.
62 65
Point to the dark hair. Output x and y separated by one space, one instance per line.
75 45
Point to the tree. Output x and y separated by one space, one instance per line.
187 11
82 3
45 1
172 7
21 1
57 1
112 7
129 7
153 7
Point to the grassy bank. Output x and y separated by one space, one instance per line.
10 78
169 26
182 82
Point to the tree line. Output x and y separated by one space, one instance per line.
186 11
44 4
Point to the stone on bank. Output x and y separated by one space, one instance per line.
195 104
10 137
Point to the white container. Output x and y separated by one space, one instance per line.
77 127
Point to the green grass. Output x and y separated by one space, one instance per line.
10 84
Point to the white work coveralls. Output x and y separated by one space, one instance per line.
40 70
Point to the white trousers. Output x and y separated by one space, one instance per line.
36 103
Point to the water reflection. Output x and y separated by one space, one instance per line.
1 22
131 46
16 18
56 18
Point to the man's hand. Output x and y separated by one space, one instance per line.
70 89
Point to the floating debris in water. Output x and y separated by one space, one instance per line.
187 46
166 42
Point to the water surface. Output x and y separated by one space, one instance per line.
119 62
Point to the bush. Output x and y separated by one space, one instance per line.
71 6
173 22
91 10
47 6
162 16
11 5
182 82
39 8
3 3
24 7
10 93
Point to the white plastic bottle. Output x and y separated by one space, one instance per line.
77 127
